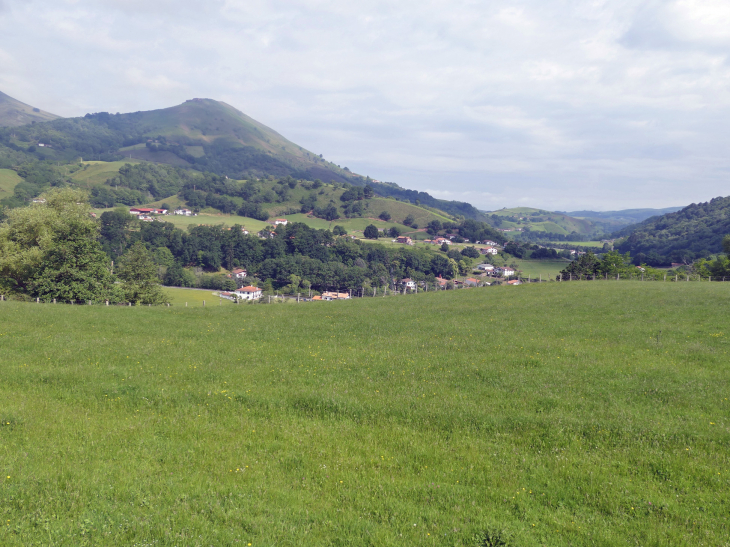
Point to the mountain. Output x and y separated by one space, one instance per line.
616 220
695 231
201 134
14 113
538 224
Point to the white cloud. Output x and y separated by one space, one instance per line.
595 104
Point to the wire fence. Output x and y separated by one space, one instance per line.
394 290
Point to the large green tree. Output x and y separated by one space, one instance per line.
50 250
138 273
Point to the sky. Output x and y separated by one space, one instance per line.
555 104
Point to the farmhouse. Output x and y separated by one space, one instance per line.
327 295
485 267
249 293
488 250
514 282
471 282
506 271
146 211
281 221
441 241
404 239
408 283
184 212
239 273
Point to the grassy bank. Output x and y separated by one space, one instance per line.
567 414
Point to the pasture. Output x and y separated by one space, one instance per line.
584 413
9 179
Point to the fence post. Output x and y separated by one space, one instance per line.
129 304
107 302
54 300
186 304
37 300
204 301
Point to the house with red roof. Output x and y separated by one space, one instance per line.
249 293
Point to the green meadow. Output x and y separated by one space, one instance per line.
9 179
584 413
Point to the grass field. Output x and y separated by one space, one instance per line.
566 414
9 179
194 297
98 172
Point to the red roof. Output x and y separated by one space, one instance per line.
250 288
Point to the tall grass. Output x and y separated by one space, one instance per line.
563 414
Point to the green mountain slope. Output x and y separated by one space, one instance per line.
14 113
617 220
540 224
200 134
693 232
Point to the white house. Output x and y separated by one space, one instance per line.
281 221
239 273
184 212
249 293
506 271
488 250
408 283
485 267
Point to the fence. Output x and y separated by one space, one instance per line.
373 292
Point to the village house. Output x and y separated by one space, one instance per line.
471 282
281 221
239 273
244 231
146 211
39 200
332 295
514 282
404 239
485 267
249 293
441 241
488 250
184 212
489 242
505 271
408 283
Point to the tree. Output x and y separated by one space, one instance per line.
433 227
385 215
394 231
444 247
368 192
371 231
470 252
339 231
409 220
50 250
138 272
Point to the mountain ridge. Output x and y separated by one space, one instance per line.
14 113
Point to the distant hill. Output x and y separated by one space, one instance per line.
616 220
13 113
200 134
538 224
693 232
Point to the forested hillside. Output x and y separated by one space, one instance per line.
199 135
691 233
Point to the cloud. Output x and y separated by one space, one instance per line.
596 104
